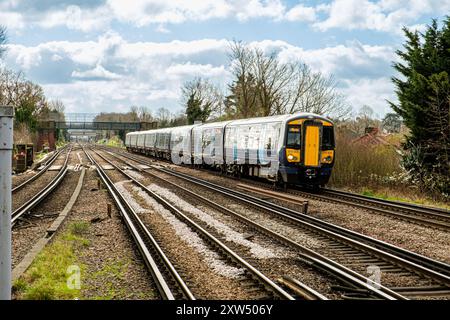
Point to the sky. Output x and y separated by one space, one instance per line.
106 55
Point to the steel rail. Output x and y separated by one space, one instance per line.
138 231
426 216
47 165
407 258
301 289
436 268
422 215
397 214
343 273
269 284
41 195
419 209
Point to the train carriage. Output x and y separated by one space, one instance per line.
252 146
181 144
307 156
208 141
162 143
140 142
288 149
131 141
149 142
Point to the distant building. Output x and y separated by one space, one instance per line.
372 136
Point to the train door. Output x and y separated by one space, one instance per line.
311 145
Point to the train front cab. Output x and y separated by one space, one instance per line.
307 156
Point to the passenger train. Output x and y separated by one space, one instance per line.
294 149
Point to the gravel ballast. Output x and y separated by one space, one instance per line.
110 248
423 240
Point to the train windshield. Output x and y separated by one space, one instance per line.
294 137
327 138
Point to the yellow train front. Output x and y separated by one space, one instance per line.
307 156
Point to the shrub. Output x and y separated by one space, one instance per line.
361 165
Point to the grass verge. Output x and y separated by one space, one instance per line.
53 274
391 195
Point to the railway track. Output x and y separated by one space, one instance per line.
369 251
357 285
421 215
43 192
47 165
169 283
261 286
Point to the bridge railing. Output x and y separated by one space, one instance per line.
128 126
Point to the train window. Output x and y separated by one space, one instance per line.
272 132
327 138
294 137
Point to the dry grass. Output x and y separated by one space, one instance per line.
375 171
22 134
364 165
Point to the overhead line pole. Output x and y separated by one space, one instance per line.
6 146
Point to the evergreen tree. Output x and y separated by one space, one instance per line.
195 110
242 102
423 95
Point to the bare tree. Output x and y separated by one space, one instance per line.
11 85
134 113
272 80
56 108
265 86
145 114
243 99
163 117
366 115
56 105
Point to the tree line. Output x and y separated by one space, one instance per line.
423 94
27 98
262 85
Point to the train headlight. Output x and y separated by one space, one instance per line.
327 156
293 155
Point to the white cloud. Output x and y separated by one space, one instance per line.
372 92
88 16
191 69
257 9
97 73
162 29
339 59
13 20
145 12
301 13
162 94
76 18
384 15
112 73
